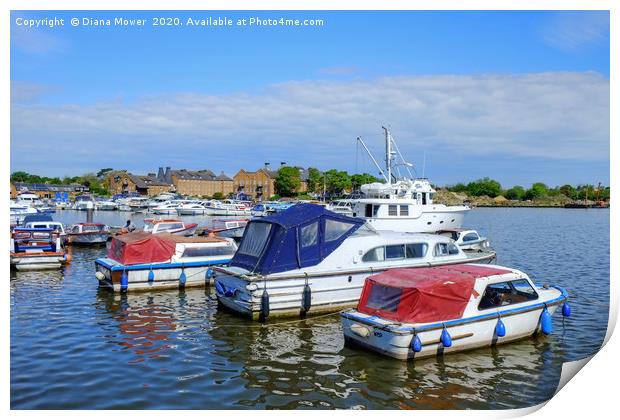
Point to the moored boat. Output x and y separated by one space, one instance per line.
88 234
424 312
467 239
310 260
228 228
36 249
141 261
173 226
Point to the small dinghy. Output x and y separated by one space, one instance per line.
424 312
88 234
173 226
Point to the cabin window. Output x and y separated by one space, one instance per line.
416 250
211 251
441 249
368 212
384 297
392 210
310 234
375 210
335 229
470 237
375 254
507 293
92 228
453 249
394 252
404 210
255 239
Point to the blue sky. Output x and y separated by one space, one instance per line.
517 96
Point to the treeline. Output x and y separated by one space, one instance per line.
94 182
538 190
332 182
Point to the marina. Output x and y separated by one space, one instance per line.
178 340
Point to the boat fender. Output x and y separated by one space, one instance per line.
100 276
566 309
500 328
182 278
306 297
360 330
264 305
546 326
208 273
219 287
416 344
151 277
229 292
446 340
124 281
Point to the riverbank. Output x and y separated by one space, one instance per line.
450 198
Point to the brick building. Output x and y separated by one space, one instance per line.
197 183
52 191
260 184
123 182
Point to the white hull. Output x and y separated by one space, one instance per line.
464 337
190 212
330 291
164 211
44 262
430 218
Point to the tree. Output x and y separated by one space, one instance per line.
484 186
515 193
538 190
103 171
288 181
315 180
337 181
460 187
568 190
218 196
20 176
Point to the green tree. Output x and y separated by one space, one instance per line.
337 181
538 190
287 182
20 176
460 187
484 186
103 171
568 190
218 196
315 180
515 193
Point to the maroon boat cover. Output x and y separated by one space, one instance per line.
141 248
419 295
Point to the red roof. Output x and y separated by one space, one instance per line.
419 295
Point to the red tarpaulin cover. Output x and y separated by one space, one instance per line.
141 248
419 295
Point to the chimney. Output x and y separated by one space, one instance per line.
282 164
167 176
267 166
160 174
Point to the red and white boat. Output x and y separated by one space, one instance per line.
174 226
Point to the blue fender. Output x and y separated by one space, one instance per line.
546 324
446 340
500 328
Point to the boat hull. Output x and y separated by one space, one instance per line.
165 275
23 261
88 238
360 331
436 217
329 291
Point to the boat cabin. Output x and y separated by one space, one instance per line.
39 221
88 228
298 237
24 239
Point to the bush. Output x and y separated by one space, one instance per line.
515 193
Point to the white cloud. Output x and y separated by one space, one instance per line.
575 30
549 115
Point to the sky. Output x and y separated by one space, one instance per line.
517 96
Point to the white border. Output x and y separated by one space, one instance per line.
592 393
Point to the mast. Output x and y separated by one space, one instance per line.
373 160
388 154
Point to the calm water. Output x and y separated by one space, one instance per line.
74 346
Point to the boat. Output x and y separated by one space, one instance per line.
17 212
467 239
106 205
168 207
268 208
403 203
308 259
36 249
344 206
88 233
226 228
173 226
191 208
138 203
142 261
425 312
84 202
227 208
39 221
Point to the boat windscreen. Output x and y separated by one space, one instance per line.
255 239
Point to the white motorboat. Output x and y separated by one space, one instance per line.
18 211
403 203
168 207
173 226
36 249
467 239
142 261
228 208
138 203
308 260
88 234
106 205
84 202
423 312
228 228
192 208
343 206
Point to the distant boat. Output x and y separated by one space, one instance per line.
88 234
173 226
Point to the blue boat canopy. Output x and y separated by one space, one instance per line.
37 218
300 236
